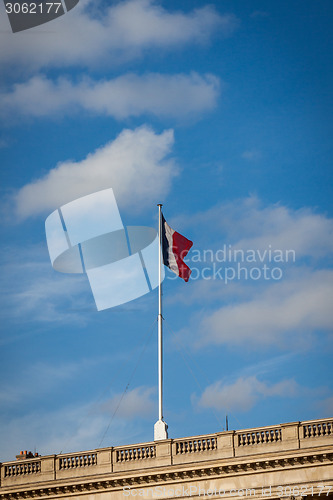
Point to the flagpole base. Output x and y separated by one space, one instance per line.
160 430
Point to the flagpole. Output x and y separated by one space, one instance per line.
160 428
160 321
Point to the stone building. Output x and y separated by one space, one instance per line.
291 461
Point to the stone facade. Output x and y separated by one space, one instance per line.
292 460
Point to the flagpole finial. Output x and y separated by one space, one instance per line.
160 204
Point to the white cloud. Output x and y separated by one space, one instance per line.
259 13
4 143
135 403
252 155
134 165
70 428
304 231
285 313
33 292
127 95
36 380
248 224
243 394
91 34
67 429
326 406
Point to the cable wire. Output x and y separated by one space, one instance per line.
128 384
116 376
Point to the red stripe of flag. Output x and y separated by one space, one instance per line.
175 247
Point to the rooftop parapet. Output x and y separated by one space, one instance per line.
145 457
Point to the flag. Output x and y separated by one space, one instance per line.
175 247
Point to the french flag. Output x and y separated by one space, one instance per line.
175 247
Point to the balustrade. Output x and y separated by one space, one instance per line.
196 445
259 437
316 429
136 453
74 461
22 469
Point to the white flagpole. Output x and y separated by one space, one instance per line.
160 428
160 321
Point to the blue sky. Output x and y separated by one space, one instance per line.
223 113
